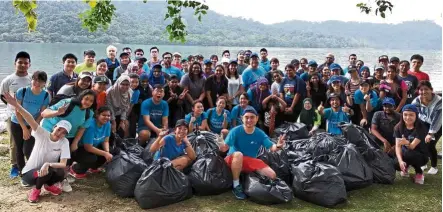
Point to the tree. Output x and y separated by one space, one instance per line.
101 12
381 8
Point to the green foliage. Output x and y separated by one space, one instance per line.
27 7
99 15
382 6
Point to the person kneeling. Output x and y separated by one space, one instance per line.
93 148
175 147
43 167
244 142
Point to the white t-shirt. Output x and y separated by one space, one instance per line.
275 87
233 86
11 84
46 151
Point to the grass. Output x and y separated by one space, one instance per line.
96 195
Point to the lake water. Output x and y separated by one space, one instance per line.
48 56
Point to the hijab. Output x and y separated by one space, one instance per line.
120 99
308 117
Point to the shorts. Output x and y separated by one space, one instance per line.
249 164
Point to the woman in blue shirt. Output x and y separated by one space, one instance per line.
218 117
93 150
237 111
175 147
197 118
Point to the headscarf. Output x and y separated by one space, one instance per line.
308 117
130 66
261 95
119 99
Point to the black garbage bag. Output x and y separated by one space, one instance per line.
292 130
299 156
358 136
265 191
278 161
203 142
382 166
161 184
118 144
323 144
318 183
210 175
123 172
147 155
295 145
355 171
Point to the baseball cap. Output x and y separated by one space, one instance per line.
181 122
388 101
364 81
123 54
250 109
334 66
254 55
207 62
352 68
184 60
65 125
333 95
225 60
335 79
364 68
89 52
142 59
233 62
157 66
383 57
176 53
84 74
409 107
101 79
394 59
379 67
312 63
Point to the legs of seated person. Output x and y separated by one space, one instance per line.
181 162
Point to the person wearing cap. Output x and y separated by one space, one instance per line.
312 69
118 99
410 80
416 63
207 68
365 73
226 54
154 52
111 61
176 62
33 99
175 97
350 87
10 85
88 64
194 82
140 61
235 84
378 77
153 115
45 166
352 62
176 147
99 87
168 68
336 70
394 87
335 114
157 77
243 142
241 62
216 86
63 77
368 102
225 63
410 146
429 111
336 87
102 68
124 62
275 63
252 73
264 62
93 148
383 60
83 82
258 93
328 61
185 66
293 91
395 61
383 123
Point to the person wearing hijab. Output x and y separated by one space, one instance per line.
258 93
118 98
309 116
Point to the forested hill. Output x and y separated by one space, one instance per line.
142 23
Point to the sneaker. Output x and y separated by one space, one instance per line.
95 171
34 195
65 186
75 175
70 179
405 173
424 167
14 172
433 170
24 184
238 192
54 190
419 179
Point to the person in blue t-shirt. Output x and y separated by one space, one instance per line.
157 77
176 147
33 99
335 114
368 101
197 118
250 75
168 68
218 117
237 111
93 148
244 142
154 115
264 62
293 91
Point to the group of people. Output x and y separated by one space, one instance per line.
67 127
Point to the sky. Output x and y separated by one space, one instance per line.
275 11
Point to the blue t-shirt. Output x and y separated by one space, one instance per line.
215 121
250 76
173 70
32 103
359 98
155 112
266 65
236 114
170 150
135 96
290 87
76 118
333 119
247 144
198 120
94 134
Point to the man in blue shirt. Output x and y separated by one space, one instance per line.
244 142
250 75
154 115
368 101
264 62
63 77
312 69
293 91
335 114
168 68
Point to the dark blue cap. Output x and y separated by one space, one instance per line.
233 61
312 63
335 78
207 62
409 107
389 101
334 66
254 55
250 109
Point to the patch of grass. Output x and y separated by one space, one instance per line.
4 138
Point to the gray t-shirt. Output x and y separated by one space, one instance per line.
67 90
11 84
196 87
385 124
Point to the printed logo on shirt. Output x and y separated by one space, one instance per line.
56 150
289 91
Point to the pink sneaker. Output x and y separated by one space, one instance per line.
54 189
34 195
419 179
95 171
75 175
